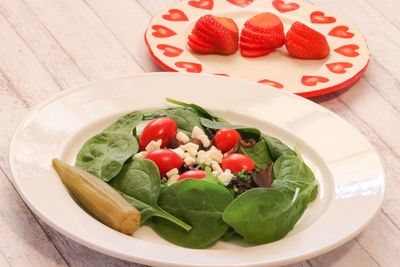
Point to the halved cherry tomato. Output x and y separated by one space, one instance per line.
195 174
165 160
226 138
237 162
161 128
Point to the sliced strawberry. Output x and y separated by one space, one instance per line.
306 43
263 32
254 52
201 49
265 23
219 33
195 39
253 46
271 41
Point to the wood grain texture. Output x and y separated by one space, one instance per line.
47 46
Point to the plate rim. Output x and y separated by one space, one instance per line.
154 261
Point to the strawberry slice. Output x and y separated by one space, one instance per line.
263 33
214 35
254 52
265 23
306 43
201 49
271 40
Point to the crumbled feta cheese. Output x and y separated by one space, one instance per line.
216 167
226 176
154 145
140 155
172 172
215 154
203 158
191 148
189 160
173 179
182 137
179 151
196 132
204 140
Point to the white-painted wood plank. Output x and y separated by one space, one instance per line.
84 37
154 6
23 242
388 9
42 43
349 254
381 244
22 67
128 21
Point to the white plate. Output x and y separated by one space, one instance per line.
348 169
167 34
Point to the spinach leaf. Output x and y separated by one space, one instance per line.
245 132
184 118
202 112
201 204
104 154
258 153
139 181
264 215
276 148
291 172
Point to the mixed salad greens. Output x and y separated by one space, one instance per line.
196 178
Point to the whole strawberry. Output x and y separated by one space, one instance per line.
306 43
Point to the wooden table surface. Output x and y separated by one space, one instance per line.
47 46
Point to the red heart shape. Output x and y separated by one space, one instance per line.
162 31
203 4
271 83
169 50
348 50
339 67
341 32
241 3
313 80
175 15
189 66
320 18
283 7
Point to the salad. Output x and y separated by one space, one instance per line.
192 176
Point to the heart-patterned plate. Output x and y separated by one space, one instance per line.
166 38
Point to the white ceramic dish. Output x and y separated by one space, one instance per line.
167 34
348 169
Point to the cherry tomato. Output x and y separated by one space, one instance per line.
237 162
165 160
161 128
195 174
226 138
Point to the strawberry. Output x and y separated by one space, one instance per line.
306 43
254 52
214 35
263 32
265 23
